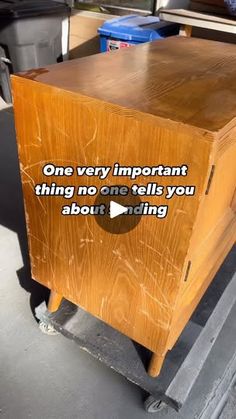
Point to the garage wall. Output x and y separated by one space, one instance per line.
84 39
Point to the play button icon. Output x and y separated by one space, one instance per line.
116 209
117 218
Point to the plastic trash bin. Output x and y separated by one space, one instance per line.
34 33
132 30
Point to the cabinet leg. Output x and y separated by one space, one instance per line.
155 365
54 301
185 30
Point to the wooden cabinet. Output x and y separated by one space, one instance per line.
172 103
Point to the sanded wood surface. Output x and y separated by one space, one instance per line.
161 103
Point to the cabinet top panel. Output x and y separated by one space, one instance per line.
187 80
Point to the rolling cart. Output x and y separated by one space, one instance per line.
203 357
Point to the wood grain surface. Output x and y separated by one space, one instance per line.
171 109
189 81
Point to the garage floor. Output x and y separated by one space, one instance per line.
47 376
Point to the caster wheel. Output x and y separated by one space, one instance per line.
152 405
47 329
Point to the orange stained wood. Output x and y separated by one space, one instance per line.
171 102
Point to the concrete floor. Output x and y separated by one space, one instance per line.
43 376
46 376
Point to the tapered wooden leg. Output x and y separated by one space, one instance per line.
186 30
54 301
155 365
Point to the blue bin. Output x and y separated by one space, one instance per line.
132 30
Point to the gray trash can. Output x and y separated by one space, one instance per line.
34 33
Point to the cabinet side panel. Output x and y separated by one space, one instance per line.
129 280
214 234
